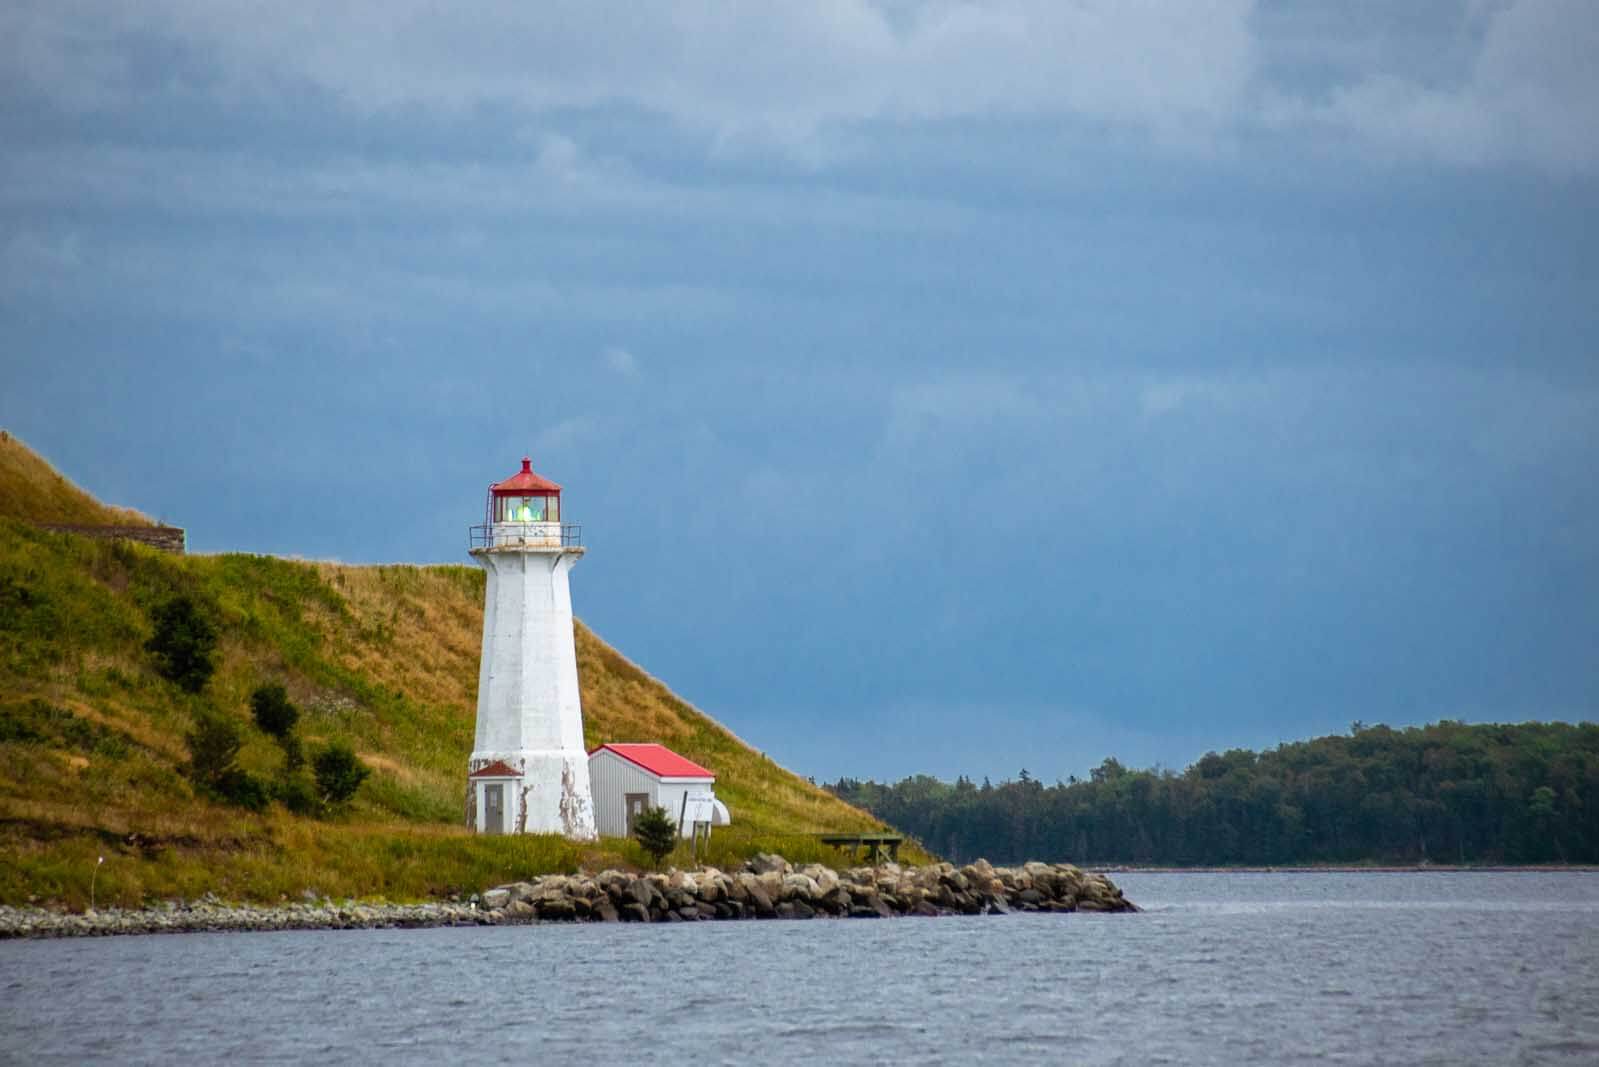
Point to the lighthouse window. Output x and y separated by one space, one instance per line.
528 508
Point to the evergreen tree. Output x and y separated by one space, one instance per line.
182 644
273 713
213 746
656 833
1527 793
338 773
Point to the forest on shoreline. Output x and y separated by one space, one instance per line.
1447 793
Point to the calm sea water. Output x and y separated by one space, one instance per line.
1221 968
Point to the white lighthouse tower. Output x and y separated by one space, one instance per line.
529 772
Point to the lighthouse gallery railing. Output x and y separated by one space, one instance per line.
513 534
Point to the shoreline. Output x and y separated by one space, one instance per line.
768 887
1429 868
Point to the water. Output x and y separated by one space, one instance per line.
1221 968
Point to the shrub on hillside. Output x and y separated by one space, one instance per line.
656 833
273 713
213 746
338 773
182 644
298 795
240 787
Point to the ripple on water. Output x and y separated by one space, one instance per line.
1378 968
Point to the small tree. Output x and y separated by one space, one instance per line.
213 745
182 644
656 833
338 773
274 715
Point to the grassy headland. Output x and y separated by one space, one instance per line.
92 748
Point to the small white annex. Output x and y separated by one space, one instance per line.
628 779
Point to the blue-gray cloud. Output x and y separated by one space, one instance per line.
996 375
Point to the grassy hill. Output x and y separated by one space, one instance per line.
385 657
32 490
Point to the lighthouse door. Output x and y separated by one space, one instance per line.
494 809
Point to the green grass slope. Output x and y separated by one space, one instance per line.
384 657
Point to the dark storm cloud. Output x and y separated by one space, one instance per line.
1008 377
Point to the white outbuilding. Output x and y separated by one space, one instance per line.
629 779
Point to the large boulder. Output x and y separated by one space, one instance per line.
767 862
836 900
642 893
557 907
824 877
795 909
761 901
799 887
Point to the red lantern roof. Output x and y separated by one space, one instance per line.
659 761
524 483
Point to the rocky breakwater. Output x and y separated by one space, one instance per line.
770 888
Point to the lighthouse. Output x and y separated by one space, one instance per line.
529 772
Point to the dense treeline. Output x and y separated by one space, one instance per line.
1446 793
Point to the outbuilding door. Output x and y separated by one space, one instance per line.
494 808
636 803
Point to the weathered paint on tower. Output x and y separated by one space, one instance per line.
529 772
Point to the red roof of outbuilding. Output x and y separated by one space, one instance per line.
498 769
660 761
525 481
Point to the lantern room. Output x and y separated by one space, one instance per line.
524 497
524 511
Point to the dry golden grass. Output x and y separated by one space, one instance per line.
32 490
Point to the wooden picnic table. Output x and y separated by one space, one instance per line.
872 845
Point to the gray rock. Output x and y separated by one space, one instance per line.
836 900
799 887
767 863
556 908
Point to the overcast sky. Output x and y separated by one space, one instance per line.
945 387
